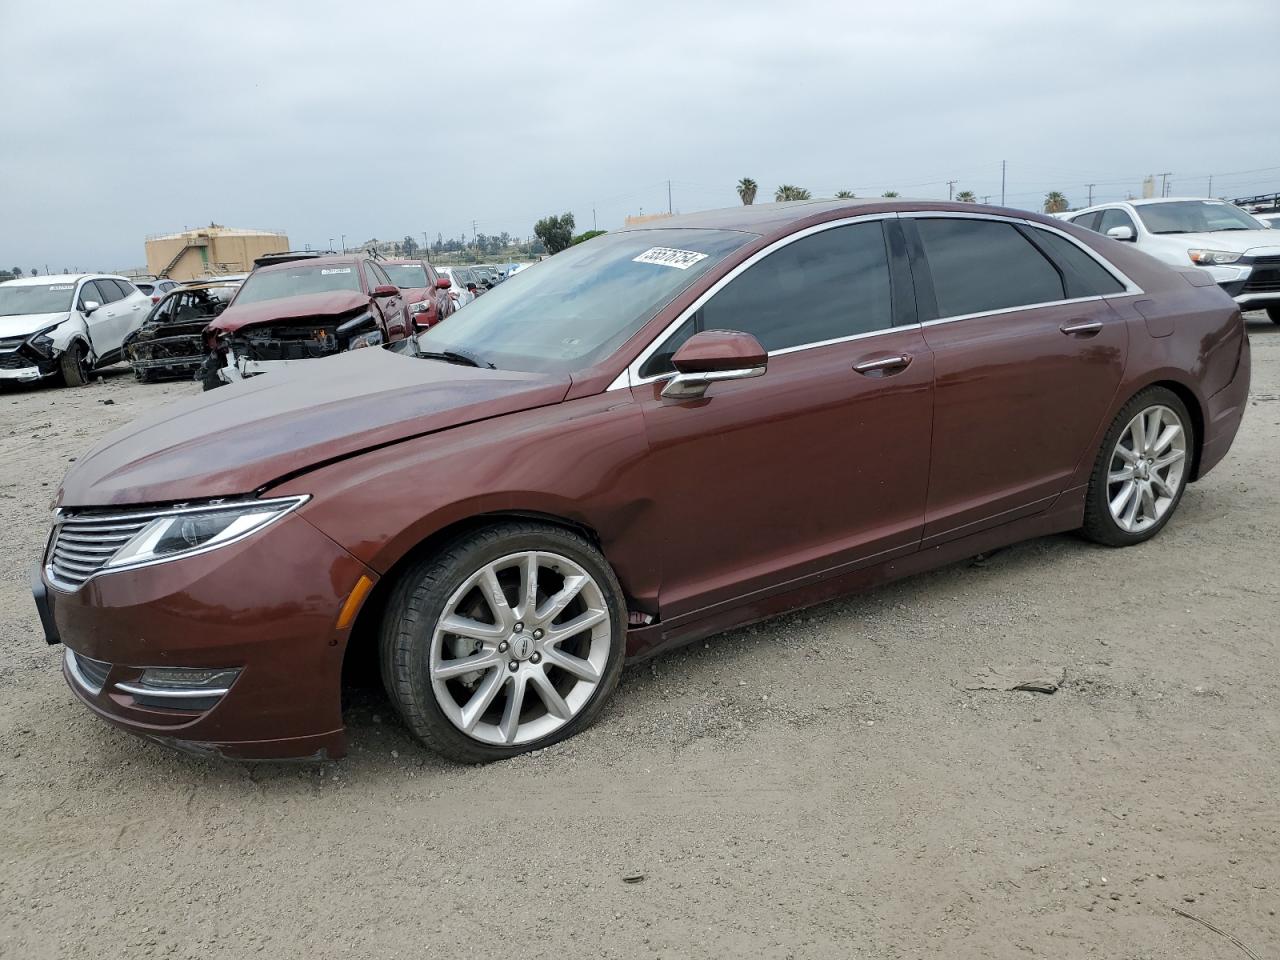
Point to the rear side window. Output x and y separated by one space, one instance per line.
1089 220
982 265
1085 277
110 292
126 288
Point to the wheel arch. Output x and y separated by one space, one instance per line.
360 659
1195 408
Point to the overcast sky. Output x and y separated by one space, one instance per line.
387 118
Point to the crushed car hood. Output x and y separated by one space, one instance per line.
241 437
305 307
22 324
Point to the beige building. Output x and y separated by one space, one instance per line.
208 251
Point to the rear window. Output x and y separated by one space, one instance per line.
982 265
145 288
297 279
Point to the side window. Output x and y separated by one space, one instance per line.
983 265
826 286
88 291
110 292
126 288
375 275
1084 275
1115 218
162 312
1089 220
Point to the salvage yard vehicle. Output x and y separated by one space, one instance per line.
66 325
302 308
170 342
155 287
636 445
425 292
1240 252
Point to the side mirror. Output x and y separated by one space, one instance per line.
89 306
443 283
711 357
386 290
1120 233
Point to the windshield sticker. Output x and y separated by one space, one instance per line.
327 271
62 287
670 257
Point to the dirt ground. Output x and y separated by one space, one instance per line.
821 785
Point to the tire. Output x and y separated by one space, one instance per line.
1146 479
1274 314
413 646
72 366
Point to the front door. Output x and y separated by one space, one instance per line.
824 460
1028 358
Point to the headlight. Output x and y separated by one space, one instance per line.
1212 258
190 530
42 343
422 306
370 339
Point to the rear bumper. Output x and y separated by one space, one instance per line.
266 606
1223 414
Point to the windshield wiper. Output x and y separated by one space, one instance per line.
454 356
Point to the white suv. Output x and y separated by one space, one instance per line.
66 325
1240 252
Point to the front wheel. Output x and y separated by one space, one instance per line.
1274 314
510 639
74 365
1141 471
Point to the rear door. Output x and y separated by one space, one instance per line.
822 462
1028 357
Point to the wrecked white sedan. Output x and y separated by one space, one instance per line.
66 325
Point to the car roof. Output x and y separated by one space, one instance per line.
62 278
345 260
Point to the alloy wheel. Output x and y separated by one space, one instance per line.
1146 470
520 648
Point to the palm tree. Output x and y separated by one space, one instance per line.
788 192
747 191
1054 202
889 193
846 195
966 196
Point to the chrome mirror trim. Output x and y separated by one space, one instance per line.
691 386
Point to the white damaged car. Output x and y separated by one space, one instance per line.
66 325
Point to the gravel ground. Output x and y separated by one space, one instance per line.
824 784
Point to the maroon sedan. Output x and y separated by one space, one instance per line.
650 437
303 308
425 292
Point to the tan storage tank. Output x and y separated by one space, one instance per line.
210 251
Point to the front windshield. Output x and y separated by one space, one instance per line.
20 298
296 279
1195 216
406 274
575 308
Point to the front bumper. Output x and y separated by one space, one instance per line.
267 606
22 374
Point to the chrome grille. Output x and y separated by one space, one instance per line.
84 543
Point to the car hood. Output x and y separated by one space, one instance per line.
307 306
1256 242
241 437
22 324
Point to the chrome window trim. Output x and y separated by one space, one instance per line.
631 375
60 517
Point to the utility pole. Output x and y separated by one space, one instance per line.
426 245
951 188
1090 186
344 242
473 233
331 243
593 216
668 196
1164 183
1002 168
1211 184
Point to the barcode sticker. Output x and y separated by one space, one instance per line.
670 257
330 270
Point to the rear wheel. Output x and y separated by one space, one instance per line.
74 365
1274 314
1141 470
509 640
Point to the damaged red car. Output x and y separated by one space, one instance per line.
425 292
653 436
302 309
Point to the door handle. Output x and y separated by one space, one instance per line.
883 365
1087 327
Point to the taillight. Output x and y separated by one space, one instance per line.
155 299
